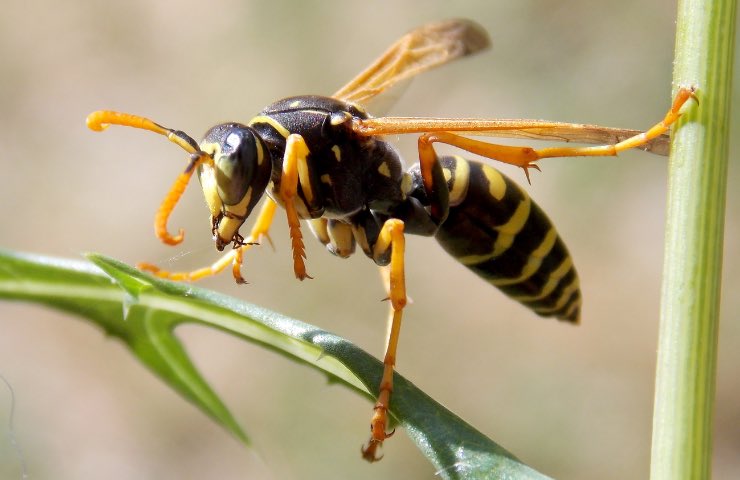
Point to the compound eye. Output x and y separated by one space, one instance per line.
236 164
233 140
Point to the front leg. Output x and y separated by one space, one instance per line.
295 170
233 257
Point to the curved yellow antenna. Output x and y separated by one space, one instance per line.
102 119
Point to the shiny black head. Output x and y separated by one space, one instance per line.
236 180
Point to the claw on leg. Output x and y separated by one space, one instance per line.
524 157
233 257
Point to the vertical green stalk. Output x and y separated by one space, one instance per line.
687 350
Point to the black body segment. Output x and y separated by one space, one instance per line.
324 160
351 185
489 224
348 172
496 230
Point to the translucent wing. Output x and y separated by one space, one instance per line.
426 47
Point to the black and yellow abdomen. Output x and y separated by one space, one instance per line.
496 230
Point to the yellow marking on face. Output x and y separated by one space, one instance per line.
337 152
209 186
211 149
462 180
208 183
234 216
496 182
271 122
326 178
294 103
384 170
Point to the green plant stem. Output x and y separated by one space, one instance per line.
687 350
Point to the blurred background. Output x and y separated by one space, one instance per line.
573 402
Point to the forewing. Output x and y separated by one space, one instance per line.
426 47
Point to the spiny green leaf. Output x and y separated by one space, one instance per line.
143 312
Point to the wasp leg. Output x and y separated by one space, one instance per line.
391 237
233 257
261 228
524 157
295 169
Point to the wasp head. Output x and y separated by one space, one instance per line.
237 178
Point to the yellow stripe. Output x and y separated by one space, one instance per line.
260 151
573 307
507 233
271 122
462 180
496 182
534 261
384 170
551 283
337 152
568 292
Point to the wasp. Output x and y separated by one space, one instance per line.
324 160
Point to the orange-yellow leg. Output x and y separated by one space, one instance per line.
295 169
525 157
391 236
233 257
